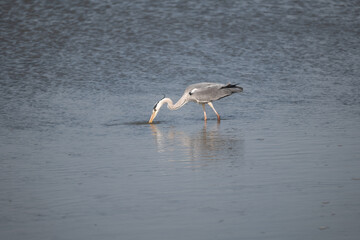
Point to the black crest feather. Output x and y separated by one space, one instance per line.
158 102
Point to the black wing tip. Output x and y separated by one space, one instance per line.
229 85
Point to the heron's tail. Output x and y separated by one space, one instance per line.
233 87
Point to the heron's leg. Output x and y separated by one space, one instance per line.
203 106
212 106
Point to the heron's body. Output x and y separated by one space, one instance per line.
202 93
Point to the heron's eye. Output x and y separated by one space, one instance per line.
155 107
190 93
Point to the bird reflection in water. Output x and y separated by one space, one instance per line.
207 144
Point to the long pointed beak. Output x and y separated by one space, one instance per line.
153 115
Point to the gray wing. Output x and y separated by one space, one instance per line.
207 92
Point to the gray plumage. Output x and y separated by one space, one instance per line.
207 92
202 93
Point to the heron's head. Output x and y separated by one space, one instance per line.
156 110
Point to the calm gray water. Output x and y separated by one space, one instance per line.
78 83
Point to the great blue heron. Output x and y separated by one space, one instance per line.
202 93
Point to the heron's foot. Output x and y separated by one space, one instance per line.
218 117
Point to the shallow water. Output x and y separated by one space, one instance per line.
78 83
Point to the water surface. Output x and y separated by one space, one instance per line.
78 83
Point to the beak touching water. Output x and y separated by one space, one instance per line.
153 115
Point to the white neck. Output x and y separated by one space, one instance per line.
171 105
